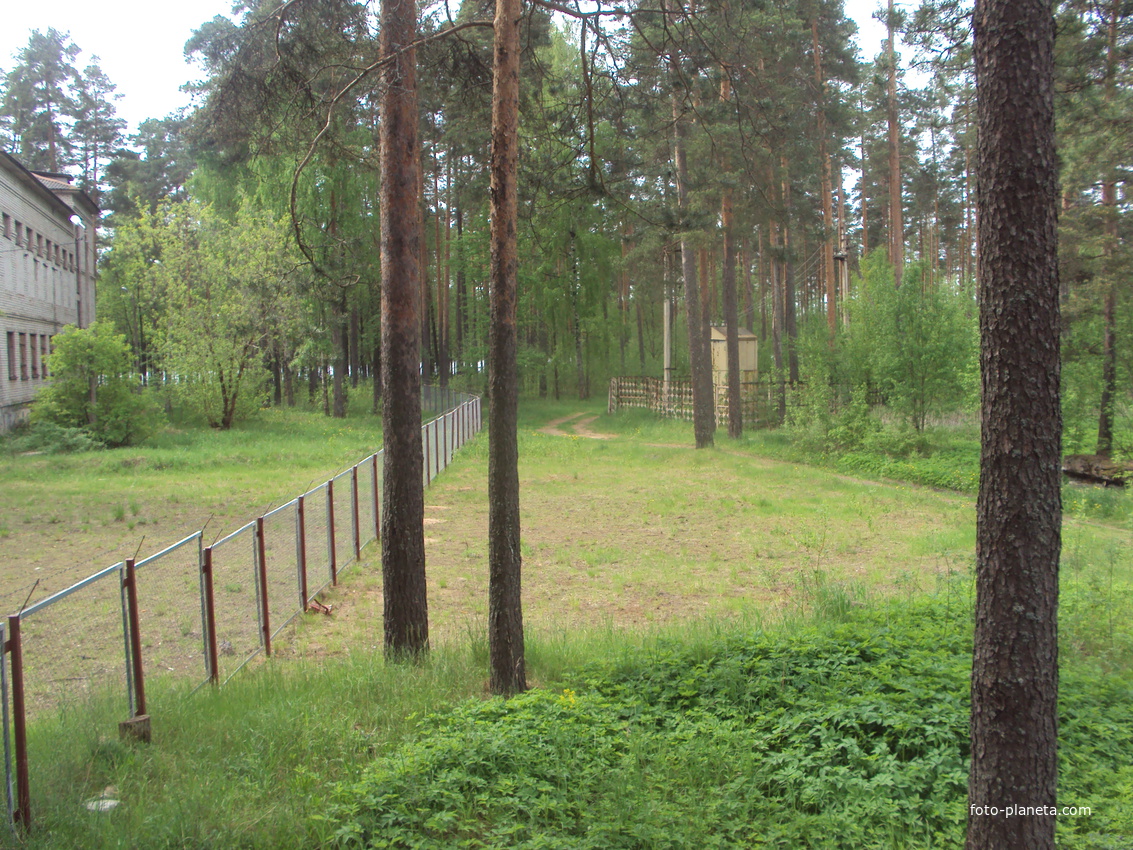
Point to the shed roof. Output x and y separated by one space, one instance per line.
719 334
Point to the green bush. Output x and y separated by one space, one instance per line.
47 437
96 362
838 735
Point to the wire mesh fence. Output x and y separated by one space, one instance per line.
235 606
171 625
193 612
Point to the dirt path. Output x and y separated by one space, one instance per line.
581 428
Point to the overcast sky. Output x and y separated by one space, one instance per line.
140 44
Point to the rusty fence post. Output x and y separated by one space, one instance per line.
138 726
262 572
19 723
377 504
135 639
210 619
301 550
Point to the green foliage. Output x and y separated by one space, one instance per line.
97 358
227 296
852 735
916 343
49 438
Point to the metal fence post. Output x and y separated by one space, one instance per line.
262 567
19 723
301 551
135 639
428 479
211 655
330 533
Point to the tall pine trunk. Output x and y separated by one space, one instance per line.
896 211
403 503
505 608
1014 719
703 412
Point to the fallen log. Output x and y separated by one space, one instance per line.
1097 470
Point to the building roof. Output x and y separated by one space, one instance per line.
719 333
55 189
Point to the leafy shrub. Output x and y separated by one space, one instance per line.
849 735
45 436
120 414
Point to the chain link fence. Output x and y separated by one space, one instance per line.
192 613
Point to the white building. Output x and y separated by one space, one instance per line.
47 272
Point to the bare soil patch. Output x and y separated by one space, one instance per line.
579 428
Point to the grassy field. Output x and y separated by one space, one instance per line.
686 612
636 530
66 516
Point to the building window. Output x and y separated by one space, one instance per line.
34 358
7 226
23 357
11 356
43 352
19 233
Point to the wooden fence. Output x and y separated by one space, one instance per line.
758 400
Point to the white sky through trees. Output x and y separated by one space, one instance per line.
140 44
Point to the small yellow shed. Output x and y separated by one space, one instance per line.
749 355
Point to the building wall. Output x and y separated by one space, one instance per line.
46 279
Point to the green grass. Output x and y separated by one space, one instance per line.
846 727
107 505
796 691
941 458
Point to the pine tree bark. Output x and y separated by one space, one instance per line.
1109 312
403 502
703 413
827 190
728 286
1014 719
896 210
505 611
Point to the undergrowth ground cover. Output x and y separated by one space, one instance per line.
727 651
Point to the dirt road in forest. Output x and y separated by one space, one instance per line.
580 428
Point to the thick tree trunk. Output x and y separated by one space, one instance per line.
1109 313
777 320
508 673
789 306
1014 722
403 504
376 373
355 347
340 345
703 413
728 291
1109 368
896 217
827 190
288 385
